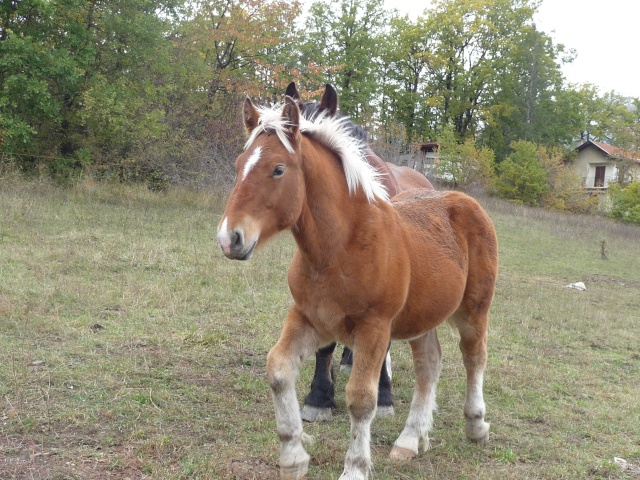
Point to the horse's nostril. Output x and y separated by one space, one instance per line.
236 239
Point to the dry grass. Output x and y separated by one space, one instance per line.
131 349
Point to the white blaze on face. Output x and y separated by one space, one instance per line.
251 162
224 239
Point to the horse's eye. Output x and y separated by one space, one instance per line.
278 171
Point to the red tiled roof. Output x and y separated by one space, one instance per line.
612 151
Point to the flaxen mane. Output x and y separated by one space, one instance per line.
336 133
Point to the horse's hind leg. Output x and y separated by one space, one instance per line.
427 357
473 345
297 341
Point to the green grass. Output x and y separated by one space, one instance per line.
130 348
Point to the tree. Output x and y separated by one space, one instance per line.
406 59
245 45
79 75
530 101
610 118
37 79
472 40
346 38
566 192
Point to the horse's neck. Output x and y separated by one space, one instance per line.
330 215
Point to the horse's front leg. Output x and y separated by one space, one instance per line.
297 341
369 351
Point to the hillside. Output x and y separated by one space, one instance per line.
130 348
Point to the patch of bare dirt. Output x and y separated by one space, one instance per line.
252 469
23 458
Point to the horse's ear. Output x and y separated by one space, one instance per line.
329 100
292 91
250 115
291 115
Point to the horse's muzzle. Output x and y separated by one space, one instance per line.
234 245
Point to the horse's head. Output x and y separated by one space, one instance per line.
269 190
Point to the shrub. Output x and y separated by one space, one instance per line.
566 192
625 202
522 177
463 164
535 175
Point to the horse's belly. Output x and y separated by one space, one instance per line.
429 303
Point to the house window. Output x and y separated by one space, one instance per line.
599 180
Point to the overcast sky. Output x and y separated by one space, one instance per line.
605 35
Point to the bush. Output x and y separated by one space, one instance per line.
463 164
626 202
535 175
522 177
566 192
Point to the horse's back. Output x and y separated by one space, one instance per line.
421 207
454 245
408 178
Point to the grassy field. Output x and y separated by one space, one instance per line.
130 348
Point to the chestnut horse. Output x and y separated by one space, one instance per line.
320 401
366 271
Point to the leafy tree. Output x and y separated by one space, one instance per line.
37 79
610 118
246 45
78 76
536 175
406 59
472 42
531 102
346 38
221 50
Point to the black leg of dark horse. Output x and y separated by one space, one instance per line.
385 397
320 401
347 360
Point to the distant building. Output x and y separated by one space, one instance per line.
423 159
600 164
429 157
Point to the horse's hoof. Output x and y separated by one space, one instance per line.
478 434
482 441
316 414
385 411
400 454
353 476
295 472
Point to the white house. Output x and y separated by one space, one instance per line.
599 164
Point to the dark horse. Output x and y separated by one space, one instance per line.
320 401
367 270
